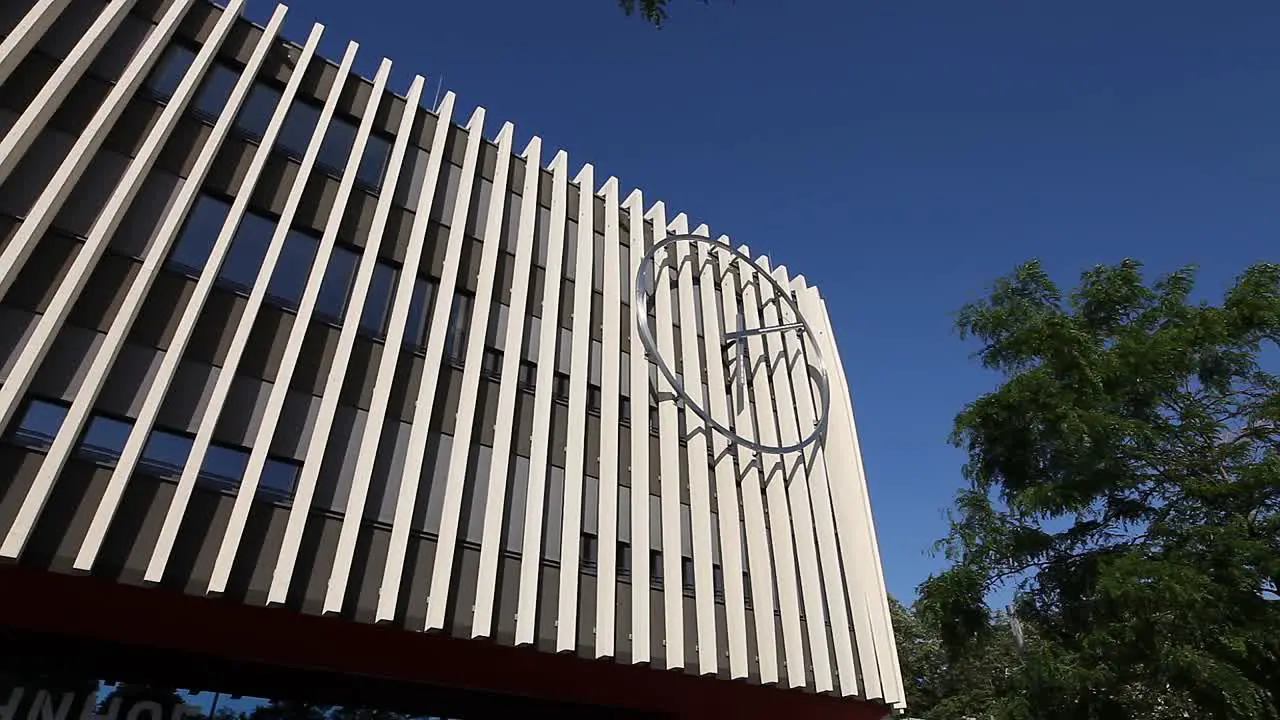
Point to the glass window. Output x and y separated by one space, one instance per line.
104 440
223 467
446 194
593 398
299 125
168 73
258 109
419 310
655 567
492 362
624 409
215 91
336 288
336 147
39 424
528 375
374 162
478 220
278 479
289 278
560 387
589 550
412 174
459 319
378 300
200 232
624 559
248 249
686 572
717 581
165 453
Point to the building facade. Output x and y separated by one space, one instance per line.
344 385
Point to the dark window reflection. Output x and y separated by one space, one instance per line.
215 91
258 108
289 278
104 439
39 424
336 288
200 232
169 71
243 262
378 300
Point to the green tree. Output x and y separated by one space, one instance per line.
652 11
1125 475
945 682
126 696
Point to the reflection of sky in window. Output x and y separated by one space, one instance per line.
216 90
249 247
41 421
419 309
337 284
200 232
224 463
336 147
290 276
299 125
459 317
168 73
379 298
257 110
105 437
166 452
376 152
278 478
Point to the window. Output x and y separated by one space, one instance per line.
258 108
104 440
686 572
168 73
717 582
746 589
374 162
165 454
378 301
199 233
589 551
655 568
215 91
39 424
336 146
593 399
492 362
223 467
289 279
624 410
624 560
278 480
560 388
528 375
299 125
336 288
459 319
419 310
244 260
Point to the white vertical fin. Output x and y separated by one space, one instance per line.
610 394
641 651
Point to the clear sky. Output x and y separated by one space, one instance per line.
900 153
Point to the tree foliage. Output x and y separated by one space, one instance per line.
651 11
1125 475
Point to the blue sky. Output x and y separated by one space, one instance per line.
900 153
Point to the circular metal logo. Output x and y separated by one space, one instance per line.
734 343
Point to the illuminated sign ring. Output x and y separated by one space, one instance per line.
644 287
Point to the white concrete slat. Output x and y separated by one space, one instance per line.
851 532
456 476
878 600
306 309
491 543
749 480
796 479
668 450
428 390
696 450
49 99
820 500
540 446
244 327
172 356
50 201
575 441
24 36
641 649
100 235
610 392
731 549
380 399
774 478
